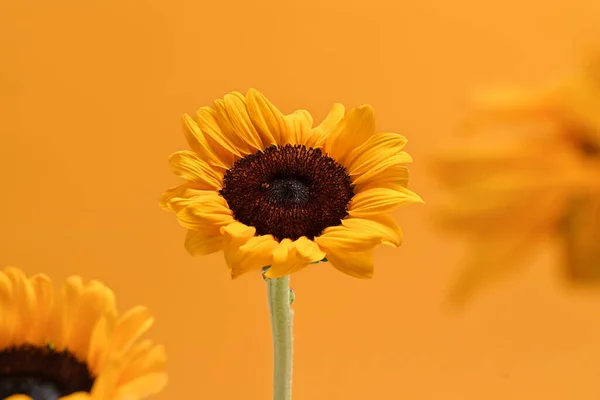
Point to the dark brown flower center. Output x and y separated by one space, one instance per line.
288 191
42 373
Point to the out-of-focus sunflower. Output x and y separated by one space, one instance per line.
527 167
73 344
272 190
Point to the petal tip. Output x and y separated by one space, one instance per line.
253 92
419 199
186 118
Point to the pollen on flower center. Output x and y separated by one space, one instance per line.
288 191
42 373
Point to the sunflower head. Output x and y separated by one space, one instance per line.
273 190
529 170
73 344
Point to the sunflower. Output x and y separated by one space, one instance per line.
272 190
73 344
527 169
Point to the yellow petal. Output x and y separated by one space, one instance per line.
138 352
309 249
23 297
352 131
225 145
267 119
181 191
143 358
299 126
281 254
321 132
152 360
198 198
8 315
99 343
95 302
228 130
383 226
376 149
128 329
235 114
238 231
394 177
511 185
201 243
380 200
290 257
131 326
199 143
477 217
106 382
205 212
245 252
341 238
44 296
383 164
476 163
67 306
358 265
189 166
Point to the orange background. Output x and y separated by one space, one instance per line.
91 96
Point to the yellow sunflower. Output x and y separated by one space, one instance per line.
528 168
272 190
73 344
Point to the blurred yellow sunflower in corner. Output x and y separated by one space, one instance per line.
272 190
528 167
73 344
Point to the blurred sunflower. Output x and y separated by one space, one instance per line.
73 344
527 167
272 190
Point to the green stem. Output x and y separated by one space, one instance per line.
278 293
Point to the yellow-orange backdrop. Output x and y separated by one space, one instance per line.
91 94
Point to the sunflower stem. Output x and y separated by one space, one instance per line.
278 294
